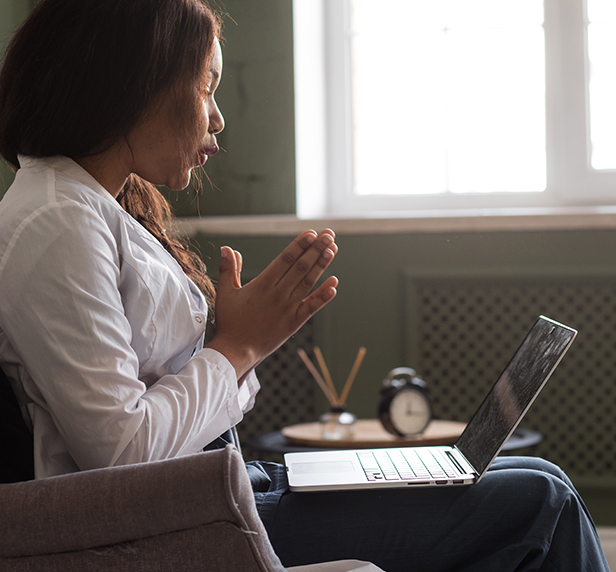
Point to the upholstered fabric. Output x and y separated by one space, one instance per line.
191 513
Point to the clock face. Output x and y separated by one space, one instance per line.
409 412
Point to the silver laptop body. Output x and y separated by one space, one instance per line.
461 464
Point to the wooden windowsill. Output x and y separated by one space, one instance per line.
569 218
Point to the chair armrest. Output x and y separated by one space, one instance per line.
338 566
102 507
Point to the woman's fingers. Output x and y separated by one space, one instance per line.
296 270
287 260
290 255
302 284
321 296
301 278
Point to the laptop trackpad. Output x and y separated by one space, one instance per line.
322 467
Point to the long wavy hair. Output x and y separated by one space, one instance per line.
79 75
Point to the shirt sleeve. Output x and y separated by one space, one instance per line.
62 311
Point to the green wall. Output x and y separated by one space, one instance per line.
12 13
255 174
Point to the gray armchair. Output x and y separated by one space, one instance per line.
181 515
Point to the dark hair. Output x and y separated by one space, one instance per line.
79 74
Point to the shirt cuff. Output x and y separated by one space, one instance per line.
248 392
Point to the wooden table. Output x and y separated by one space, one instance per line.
370 433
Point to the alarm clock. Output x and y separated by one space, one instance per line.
404 408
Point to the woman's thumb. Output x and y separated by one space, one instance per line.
227 271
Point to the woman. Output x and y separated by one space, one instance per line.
103 313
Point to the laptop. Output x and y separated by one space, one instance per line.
465 462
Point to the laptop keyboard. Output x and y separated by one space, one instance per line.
404 465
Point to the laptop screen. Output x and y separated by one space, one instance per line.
514 392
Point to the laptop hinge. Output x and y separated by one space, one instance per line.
460 461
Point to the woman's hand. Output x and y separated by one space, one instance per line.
254 320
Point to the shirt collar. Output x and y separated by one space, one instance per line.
70 168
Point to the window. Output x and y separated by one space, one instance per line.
602 84
454 104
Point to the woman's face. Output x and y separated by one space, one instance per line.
173 138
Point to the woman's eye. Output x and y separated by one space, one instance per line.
204 91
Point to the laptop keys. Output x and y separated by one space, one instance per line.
403 464
389 469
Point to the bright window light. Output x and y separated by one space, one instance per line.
450 96
602 82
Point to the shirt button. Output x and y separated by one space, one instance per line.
199 319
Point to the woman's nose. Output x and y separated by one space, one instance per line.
217 121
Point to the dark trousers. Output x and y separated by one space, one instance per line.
523 515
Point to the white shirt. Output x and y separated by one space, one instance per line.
101 332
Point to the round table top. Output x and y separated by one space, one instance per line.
368 433
278 442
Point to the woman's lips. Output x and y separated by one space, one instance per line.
207 152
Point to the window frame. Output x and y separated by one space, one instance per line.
324 116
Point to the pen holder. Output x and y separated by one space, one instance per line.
337 424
